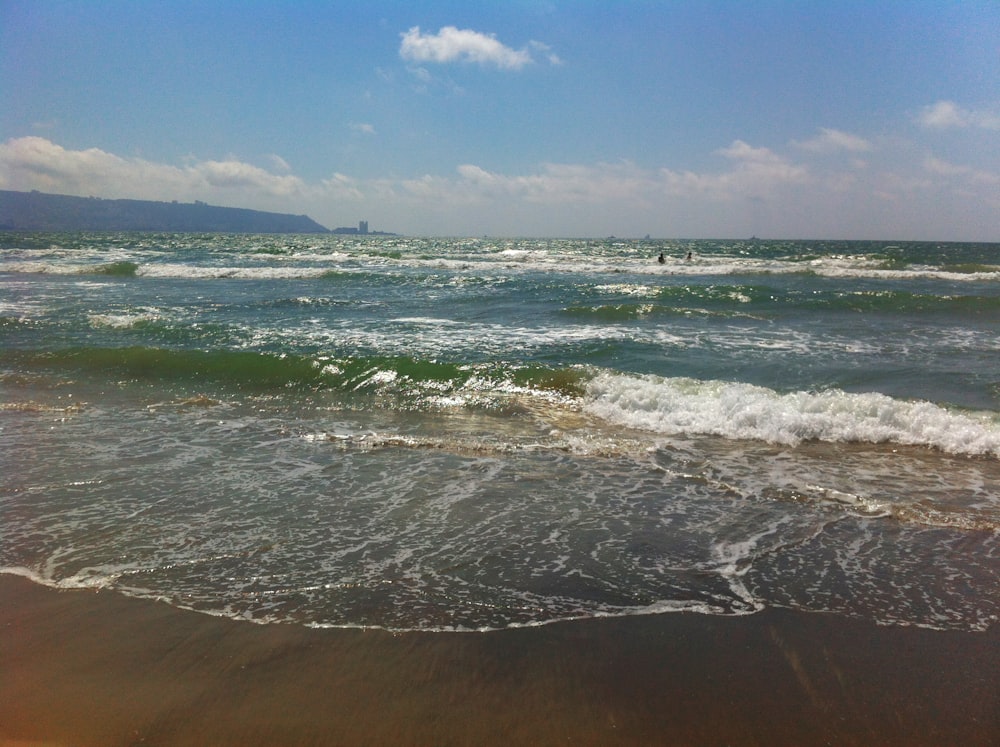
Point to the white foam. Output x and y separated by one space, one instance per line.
19 570
745 411
627 289
125 320
426 321
550 258
234 272
77 581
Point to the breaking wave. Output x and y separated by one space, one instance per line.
745 411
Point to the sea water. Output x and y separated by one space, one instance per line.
473 434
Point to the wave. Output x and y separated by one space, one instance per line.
744 411
620 312
400 376
130 269
139 363
255 264
118 269
656 404
898 302
730 299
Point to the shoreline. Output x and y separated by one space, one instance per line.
97 668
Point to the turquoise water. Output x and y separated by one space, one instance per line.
481 433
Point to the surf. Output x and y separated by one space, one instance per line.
741 411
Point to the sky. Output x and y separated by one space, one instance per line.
675 119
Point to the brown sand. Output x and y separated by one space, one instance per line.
85 668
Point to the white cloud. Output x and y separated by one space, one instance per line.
452 44
741 151
236 174
421 73
941 115
757 173
546 51
947 114
943 168
829 141
903 193
938 166
363 128
564 184
279 163
36 163
342 187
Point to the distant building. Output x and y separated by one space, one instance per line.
361 230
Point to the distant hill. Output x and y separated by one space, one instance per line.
37 211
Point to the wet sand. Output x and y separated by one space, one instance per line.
86 668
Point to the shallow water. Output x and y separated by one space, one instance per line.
478 434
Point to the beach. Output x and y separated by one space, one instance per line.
315 490
97 668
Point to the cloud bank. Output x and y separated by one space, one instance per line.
37 163
813 187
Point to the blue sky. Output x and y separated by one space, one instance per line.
869 120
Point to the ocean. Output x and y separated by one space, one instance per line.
477 434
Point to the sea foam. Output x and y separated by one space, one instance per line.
745 411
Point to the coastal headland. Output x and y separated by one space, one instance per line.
39 211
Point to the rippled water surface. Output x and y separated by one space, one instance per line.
475 434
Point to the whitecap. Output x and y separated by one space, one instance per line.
745 411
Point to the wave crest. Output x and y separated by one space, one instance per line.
746 411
